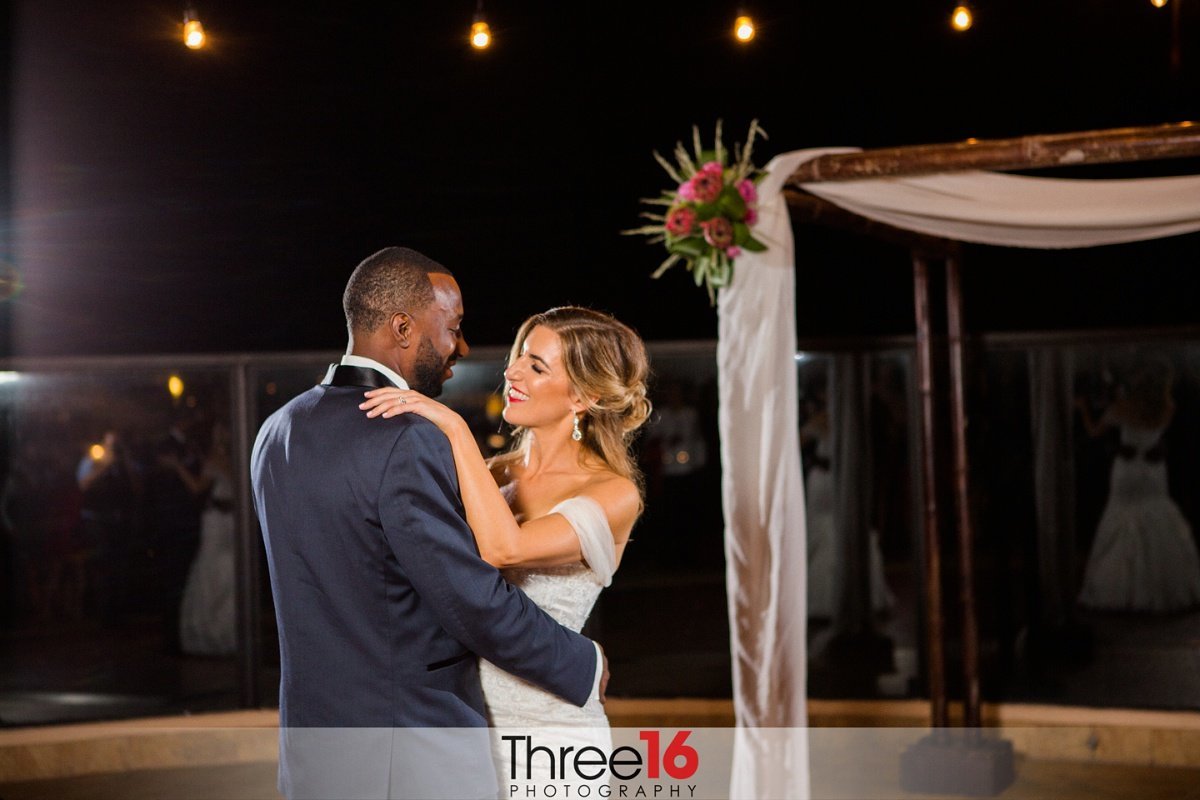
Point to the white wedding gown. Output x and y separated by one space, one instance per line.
518 708
1143 557
207 615
824 550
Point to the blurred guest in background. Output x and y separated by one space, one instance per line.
176 496
1143 557
111 487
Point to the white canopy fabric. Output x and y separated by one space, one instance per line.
762 488
1020 211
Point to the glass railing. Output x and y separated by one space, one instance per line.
134 583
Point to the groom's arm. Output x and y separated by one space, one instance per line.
424 523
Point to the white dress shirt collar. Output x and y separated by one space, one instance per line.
351 360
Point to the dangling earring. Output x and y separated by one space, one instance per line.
576 434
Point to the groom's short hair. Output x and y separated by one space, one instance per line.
394 279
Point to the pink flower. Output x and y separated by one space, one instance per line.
681 222
748 191
707 186
687 191
718 232
751 216
712 168
733 251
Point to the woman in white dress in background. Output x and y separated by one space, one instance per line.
826 552
208 613
1143 557
555 512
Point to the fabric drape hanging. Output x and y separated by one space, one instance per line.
1021 211
763 495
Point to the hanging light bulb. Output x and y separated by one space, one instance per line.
1158 3
962 19
481 34
193 31
175 386
743 28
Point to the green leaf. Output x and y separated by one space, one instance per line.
720 278
754 245
741 234
706 211
731 203
700 271
689 247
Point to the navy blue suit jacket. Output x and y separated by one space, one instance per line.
382 600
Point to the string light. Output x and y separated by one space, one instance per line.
175 386
481 34
962 19
743 28
193 30
96 451
1158 3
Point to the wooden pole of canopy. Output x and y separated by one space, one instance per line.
1178 140
972 718
935 636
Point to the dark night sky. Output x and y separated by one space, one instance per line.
167 200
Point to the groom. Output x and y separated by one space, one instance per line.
382 601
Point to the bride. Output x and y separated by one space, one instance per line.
554 512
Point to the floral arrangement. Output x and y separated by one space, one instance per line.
710 215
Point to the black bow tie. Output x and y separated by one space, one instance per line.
347 375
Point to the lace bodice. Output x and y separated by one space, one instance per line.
567 593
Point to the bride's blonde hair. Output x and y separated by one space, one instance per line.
606 363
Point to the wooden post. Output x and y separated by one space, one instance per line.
1179 140
962 498
935 624
946 762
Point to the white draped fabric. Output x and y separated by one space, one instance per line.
762 487
595 536
763 496
1020 211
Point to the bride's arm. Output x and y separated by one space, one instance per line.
548 541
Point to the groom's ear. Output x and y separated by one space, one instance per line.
402 327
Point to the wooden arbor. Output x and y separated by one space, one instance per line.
1180 140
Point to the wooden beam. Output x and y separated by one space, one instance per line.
1178 140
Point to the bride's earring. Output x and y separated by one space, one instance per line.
576 434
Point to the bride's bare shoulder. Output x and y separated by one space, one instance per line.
618 496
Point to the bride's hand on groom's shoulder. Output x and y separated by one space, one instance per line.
390 402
